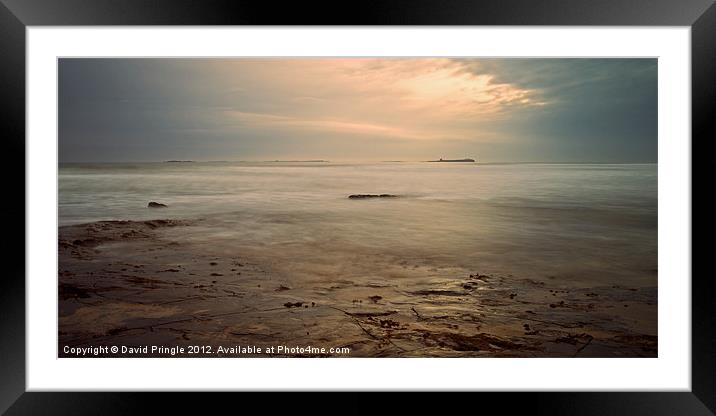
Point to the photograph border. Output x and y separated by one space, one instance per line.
16 15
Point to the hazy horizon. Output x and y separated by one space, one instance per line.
351 161
358 110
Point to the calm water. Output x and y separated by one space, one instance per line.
574 224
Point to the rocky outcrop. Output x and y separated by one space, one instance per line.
367 196
153 204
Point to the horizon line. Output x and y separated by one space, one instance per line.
362 161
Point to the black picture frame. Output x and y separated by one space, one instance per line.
16 15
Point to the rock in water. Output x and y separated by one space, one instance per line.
364 196
153 204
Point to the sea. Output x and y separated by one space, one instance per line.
571 224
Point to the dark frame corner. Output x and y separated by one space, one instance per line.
15 15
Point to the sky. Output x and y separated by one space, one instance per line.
362 109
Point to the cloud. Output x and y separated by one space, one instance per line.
272 122
444 87
497 109
420 99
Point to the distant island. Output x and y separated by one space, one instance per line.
178 161
453 160
297 161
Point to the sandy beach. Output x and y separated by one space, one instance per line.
137 283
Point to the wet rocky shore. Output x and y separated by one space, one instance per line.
137 283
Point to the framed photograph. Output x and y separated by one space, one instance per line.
441 197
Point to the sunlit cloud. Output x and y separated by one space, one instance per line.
271 121
420 99
367 108
443 86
